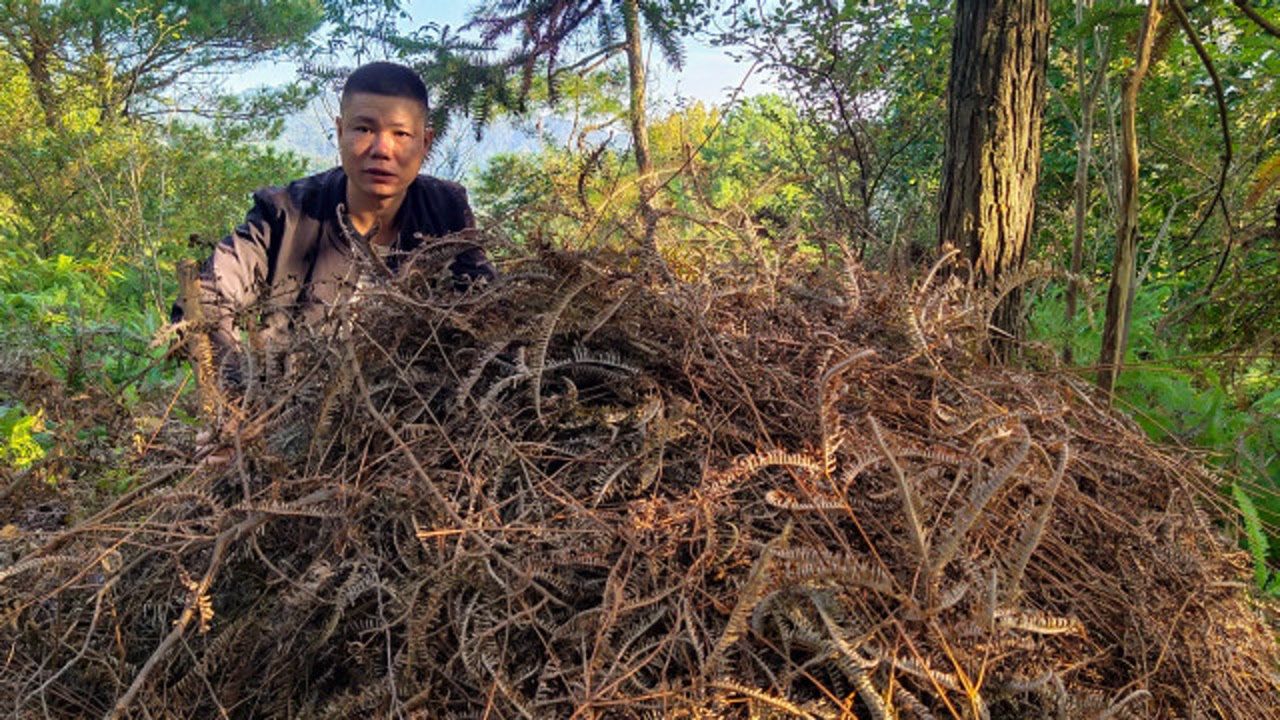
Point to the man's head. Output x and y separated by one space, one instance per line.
383 136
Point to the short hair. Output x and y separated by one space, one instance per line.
387 79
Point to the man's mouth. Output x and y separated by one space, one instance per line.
377 173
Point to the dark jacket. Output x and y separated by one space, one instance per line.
291 259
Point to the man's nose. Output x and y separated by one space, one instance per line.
381 146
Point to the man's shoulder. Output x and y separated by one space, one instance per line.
315 194
437 187
436 207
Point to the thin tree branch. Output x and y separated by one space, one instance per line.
1220 98
1257 18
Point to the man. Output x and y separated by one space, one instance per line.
294 257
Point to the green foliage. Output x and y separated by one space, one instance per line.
1202 356
868 82
20 435
70 318
1182 398
1177 396
87 251
132 58
754 161
120 154
1257 542
510 47
1218 264
733 186
96 207
44 304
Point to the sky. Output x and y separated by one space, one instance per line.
709 74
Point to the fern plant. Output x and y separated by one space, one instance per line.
1182 397
1256 540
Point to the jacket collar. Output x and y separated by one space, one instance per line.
413 217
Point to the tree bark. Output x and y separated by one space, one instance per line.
1115 329
38 71
104 77
640 130
1084 153
995 108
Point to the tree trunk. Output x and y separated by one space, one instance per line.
31 34
640 130
1084 151
1115 330
103 74
38 71
995 106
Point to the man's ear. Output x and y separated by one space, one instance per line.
337 126
428 137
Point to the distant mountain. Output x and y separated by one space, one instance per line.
310 135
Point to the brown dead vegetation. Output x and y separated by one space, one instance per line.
569 494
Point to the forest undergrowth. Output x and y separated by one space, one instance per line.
574 492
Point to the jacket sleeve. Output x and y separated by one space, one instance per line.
471 264
233 277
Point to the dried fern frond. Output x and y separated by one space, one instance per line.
1037 622
36 563
980 494
907 494
811 567
689 495
753 590
773 701
1034 531
787 501
542 336
745 467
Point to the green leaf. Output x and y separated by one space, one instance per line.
1254 535
18 442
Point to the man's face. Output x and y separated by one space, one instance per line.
383 141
